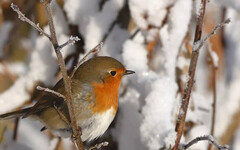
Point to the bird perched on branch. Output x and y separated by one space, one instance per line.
95 87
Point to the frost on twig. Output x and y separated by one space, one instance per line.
51 92
22 17
208 138
98 146
198 44
72 40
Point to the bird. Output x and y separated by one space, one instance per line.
95 89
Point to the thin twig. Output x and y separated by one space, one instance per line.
58 144
72 40
16 129
22 17
51 92
209 138
134 33
214 69
63 118
191 73
96 49
98 146
197 45
67 81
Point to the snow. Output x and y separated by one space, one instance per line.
14 68
157 113
93 22
113 45
127 130
174 32
149 100
17 94
4 31
135 56
236 143
144 12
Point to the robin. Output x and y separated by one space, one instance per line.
95 87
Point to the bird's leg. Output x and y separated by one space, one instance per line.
74 137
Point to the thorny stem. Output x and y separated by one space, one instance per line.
204 138
66 79
191 72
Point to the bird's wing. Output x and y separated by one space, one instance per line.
81 93
47 100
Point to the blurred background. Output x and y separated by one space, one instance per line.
153 38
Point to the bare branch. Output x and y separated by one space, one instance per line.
67 81
72 40
51 92
198 44
98 146
16 126
96 49
208 138
191 73
22 17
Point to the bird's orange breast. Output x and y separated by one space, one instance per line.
106 95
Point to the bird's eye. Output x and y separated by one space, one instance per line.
113 73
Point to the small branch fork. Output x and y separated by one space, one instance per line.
209 138
198 43
67 80
98 146
22 17
51 92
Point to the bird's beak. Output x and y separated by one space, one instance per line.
127 72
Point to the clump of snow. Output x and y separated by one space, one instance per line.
42 67
170 139
214 57
135 56
126 131
149 12
91 21
157 113
14 68
174 32
196 45
114 43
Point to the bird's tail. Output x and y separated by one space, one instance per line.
15 114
